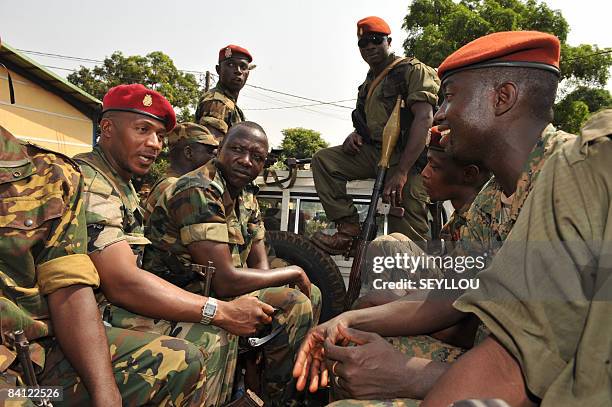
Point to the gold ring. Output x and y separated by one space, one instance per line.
334 368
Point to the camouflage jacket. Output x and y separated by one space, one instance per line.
414 80
488 221
451 231
157 190
112 206
216 109
42 239
198 207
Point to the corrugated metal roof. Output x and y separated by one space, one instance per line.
55 83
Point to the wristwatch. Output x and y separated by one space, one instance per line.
209 310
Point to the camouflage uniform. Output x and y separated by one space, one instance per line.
174 224
486 226
168 179
187 132
113 215
43 249
218 110
332 167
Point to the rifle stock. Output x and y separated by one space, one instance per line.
368 230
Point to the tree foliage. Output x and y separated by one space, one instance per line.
436 28
155 70
301 143
576 107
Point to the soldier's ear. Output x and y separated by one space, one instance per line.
188 152
106 126
506 95
470 174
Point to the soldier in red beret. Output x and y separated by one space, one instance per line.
389 76
499 92
218 109
135 120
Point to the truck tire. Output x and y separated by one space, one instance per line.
318 265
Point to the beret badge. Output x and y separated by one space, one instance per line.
147 100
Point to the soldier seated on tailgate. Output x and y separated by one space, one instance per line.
444 178
211 215
218 109
134 122
191 146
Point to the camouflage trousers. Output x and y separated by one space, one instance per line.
149 369
219 347
298 314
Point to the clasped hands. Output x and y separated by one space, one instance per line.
362 365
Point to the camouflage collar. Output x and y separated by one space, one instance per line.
14 161
221 89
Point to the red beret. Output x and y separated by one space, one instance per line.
372 24
230 50
531 49
138 99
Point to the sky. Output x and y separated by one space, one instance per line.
306 48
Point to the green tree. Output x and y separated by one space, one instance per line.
155 70
301 143
574 109
436 28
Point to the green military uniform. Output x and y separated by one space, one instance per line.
174 224
486 226
218 110
42 249
451 231
547 295
332 168
113 215
168 179
183 132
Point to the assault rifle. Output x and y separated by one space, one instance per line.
391 133
22 346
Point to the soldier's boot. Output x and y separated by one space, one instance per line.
340 242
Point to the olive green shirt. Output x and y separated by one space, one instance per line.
416 82
547 297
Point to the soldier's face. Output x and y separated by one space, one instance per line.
374 54
441 176
135 141
242 156
199 154
233 73
467 112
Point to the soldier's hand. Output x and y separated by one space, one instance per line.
393 189
352 144
243 316
371 370
310 360
303 283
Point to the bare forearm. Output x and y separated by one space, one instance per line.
81 335
406 318
238 282
487 371
146 294
420 375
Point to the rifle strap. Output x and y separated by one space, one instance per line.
382 75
